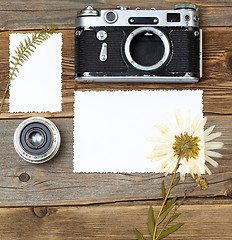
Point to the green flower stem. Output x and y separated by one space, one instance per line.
166 197
176 208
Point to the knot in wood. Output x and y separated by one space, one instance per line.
230 62
40 211
24 177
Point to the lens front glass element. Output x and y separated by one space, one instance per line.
36 138
146 48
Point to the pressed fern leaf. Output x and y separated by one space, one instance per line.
23 52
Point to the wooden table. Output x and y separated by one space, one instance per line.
49 201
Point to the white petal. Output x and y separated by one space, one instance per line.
163 129
162 147
164 164
195 123
211 161
183 170
200 127
175 130
209 130
171 167
196 168
179 120
213 145
164 139
212 136
188 121
191 168
201 164
154 158
213 154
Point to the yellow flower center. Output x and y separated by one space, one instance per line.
186 146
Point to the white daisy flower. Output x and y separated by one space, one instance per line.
186 142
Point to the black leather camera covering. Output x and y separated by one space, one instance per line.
183 58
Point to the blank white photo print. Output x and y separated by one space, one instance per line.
38 85
111 128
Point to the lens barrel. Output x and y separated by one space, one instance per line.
37 140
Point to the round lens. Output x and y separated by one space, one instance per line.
110 16
36 138
146 48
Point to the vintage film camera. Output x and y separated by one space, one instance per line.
138 45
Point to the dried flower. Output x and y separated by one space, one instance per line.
202 183
186 141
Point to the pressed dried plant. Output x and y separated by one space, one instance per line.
23 53
183 145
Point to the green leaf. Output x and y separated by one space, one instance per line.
169 204
139 235
163 190
164 214
26 42
176 182
172 218
33 46
15 58
151 221
170 230
30 49
28 52
28 39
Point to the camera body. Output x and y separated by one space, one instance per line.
138 45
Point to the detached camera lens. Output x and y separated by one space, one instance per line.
37 140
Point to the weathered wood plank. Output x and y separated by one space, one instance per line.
111 221
216 83
54 183
34 14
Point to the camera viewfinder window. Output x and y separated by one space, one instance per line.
173 17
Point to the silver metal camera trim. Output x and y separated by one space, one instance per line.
145 79
157 32
50 153
124 15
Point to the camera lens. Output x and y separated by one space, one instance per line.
37 140
147 48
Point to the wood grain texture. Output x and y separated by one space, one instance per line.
54 183
36 14
111 221
109 206
216 81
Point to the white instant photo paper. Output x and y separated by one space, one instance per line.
37 87
111 128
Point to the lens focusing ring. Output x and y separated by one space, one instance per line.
36 127
41 149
